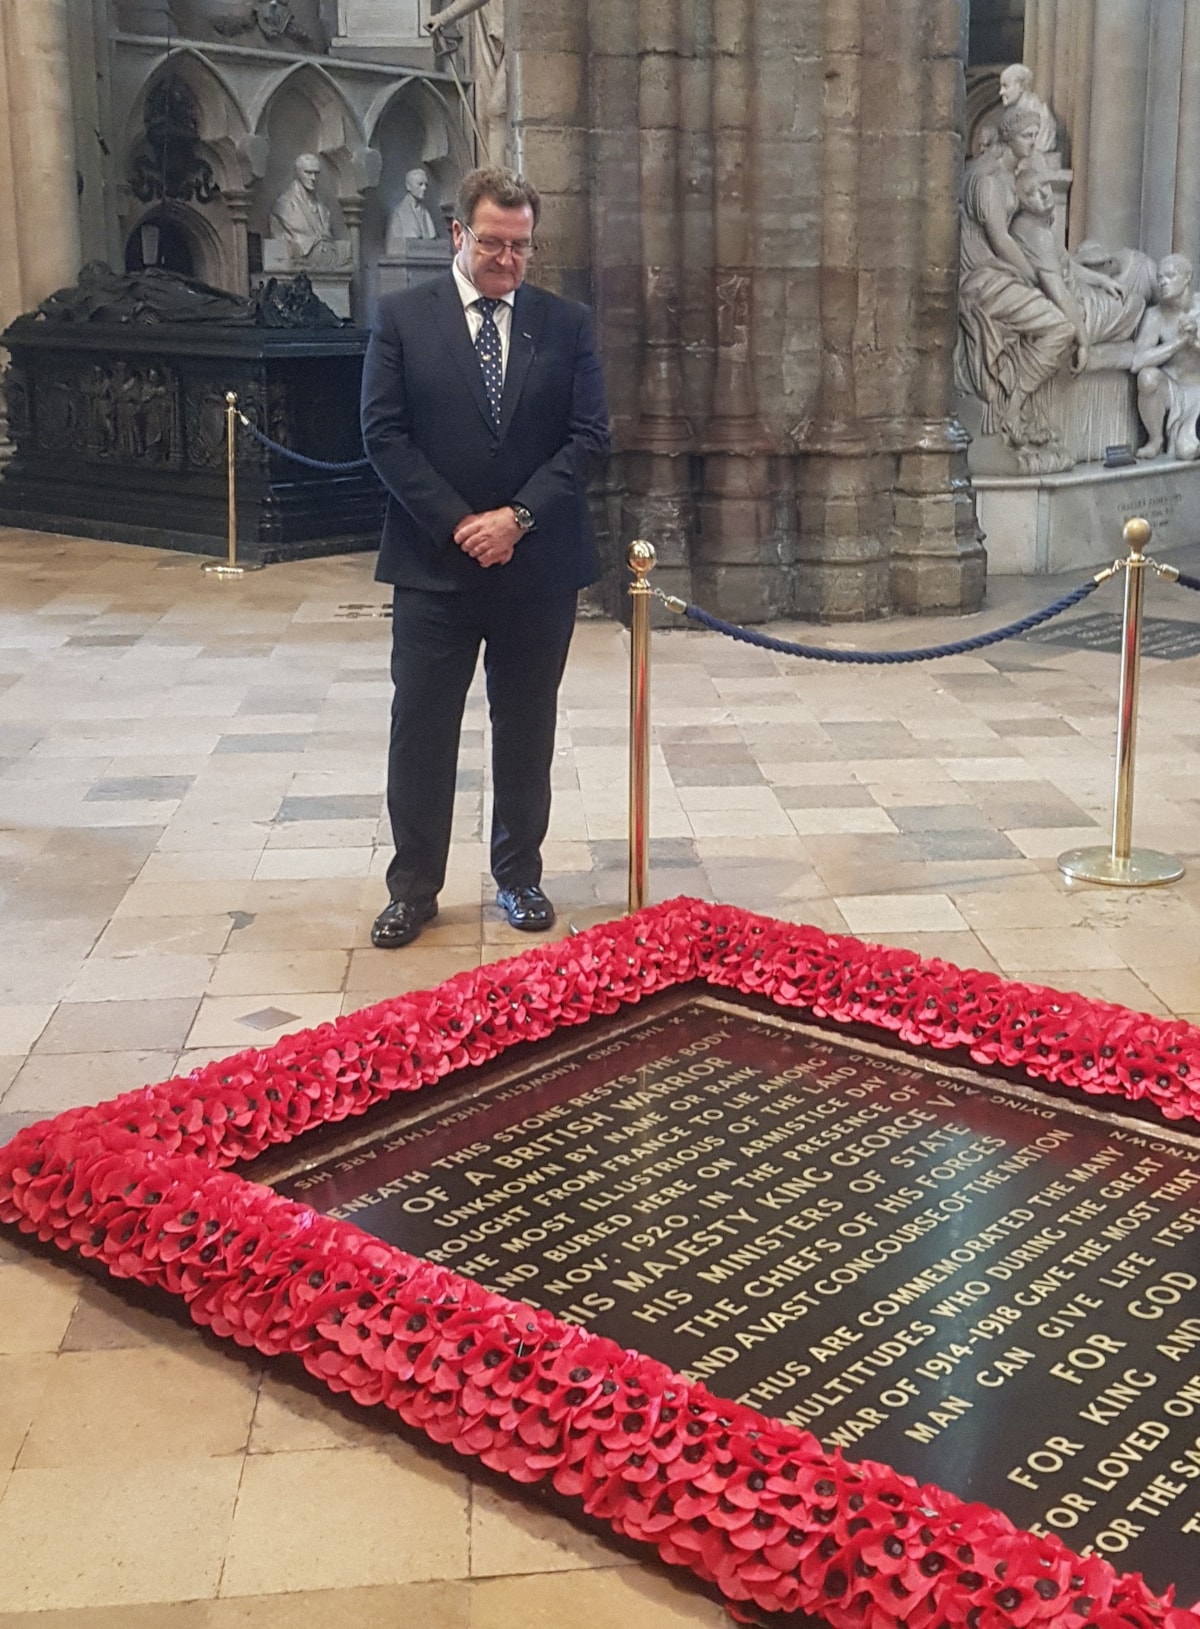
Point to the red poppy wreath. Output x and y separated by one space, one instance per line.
754 1505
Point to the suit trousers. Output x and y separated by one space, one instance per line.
436 637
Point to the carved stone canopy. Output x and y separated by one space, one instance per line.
172 164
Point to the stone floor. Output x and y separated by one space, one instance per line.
191 853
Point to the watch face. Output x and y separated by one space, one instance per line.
524 518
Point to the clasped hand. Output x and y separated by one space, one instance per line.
489 538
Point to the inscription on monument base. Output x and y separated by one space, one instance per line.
1060 522
983 1286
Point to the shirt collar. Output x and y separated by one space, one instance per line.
468 293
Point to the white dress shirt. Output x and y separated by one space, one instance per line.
502 316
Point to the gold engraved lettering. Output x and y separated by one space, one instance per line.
1126 1270
718 1312
854 1428
938 1419
663 1306
1182 1341
1002 1368
838 1340
1185 1224
1156 1496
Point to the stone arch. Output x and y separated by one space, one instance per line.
304 110
205 167
223 125
407 125
213 254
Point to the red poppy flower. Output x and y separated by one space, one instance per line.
749 1503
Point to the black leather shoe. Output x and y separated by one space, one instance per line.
400 922
526 908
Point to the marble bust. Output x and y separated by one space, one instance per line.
1017 92
301 221
411 219
1166 361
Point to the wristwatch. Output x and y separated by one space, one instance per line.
522 517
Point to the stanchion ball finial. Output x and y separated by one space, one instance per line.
231 398
641 557
1137 533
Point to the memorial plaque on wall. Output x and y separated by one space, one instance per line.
980 1284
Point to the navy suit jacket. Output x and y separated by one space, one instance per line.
430 436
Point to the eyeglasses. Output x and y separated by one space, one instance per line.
520 250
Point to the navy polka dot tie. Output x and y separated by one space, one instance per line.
487 344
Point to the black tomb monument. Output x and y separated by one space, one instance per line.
989 1287
116 409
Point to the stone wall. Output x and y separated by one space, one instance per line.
759 197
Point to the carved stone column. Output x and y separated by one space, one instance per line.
771 191
238 201
937 560
1124 77
641 210
1117 124
37 141
40 243
659 497
886 515
742 560
352 214
1186 225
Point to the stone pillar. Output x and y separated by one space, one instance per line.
546 48
1075 75
774 246
88 45
1041 30
1185 233
645 277
238 201
742 560
841 568
40 243
886 512
1117 124
37 148
1163 109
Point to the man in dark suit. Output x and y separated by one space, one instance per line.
483 412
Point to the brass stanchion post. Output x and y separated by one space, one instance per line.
230 566
641 559
1121 865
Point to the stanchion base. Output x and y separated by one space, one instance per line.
1145 867
591 916
222 568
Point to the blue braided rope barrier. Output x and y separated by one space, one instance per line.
343 468
1185 581
884 657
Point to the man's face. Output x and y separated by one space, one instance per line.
1012 83
418 184
308 174
494 272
